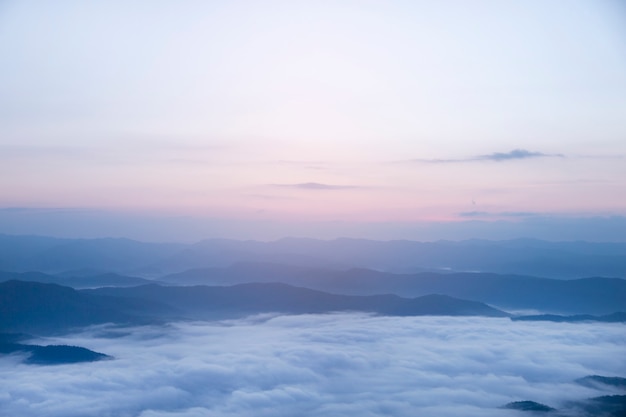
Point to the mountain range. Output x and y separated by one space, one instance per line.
52 285
596 295
49 308
124 256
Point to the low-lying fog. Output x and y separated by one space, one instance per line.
318 365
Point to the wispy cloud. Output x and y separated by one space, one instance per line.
515 154
484 214
316 186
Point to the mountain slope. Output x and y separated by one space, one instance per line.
91 281
44 308
282 298
579 296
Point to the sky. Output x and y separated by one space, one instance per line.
249 119
320 365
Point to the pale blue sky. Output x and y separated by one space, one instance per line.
226 110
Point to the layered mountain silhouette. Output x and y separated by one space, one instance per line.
577 296
53 286
583 298
520 256
109 279
45 308
347 275
282 298
48 308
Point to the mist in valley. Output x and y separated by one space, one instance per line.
319 365
342 208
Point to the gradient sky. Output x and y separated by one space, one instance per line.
368 112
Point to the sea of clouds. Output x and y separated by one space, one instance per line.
318 365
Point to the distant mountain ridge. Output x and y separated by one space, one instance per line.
124 256
92 281
34 307
599 381
583 299
578 296
282 298
44 308
52 255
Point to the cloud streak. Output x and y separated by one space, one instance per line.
515 154
318 365
316 186
508 214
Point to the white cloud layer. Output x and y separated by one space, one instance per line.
318 365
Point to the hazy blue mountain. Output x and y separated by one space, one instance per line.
222 253
578 296
44 308
28 253
521 256
82 272
603 406
254 298
104 280
18 251
93 281
244 272
29 276
598 381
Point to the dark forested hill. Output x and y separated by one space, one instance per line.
44 308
